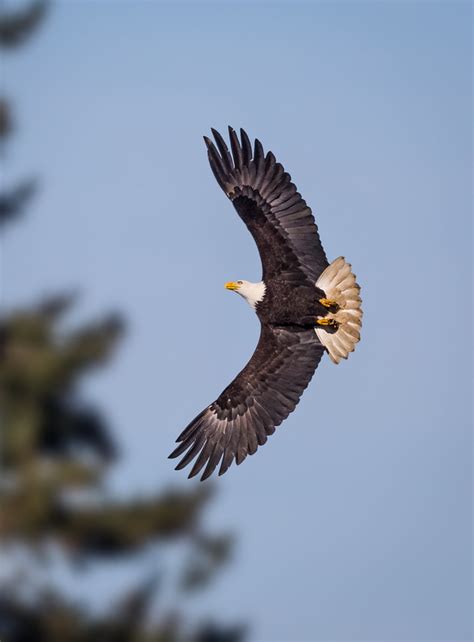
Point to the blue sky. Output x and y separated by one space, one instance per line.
354 520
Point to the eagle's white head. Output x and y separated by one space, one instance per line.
252 292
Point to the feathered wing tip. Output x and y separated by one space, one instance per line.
338 282
250 408
240 166
247 174
211 441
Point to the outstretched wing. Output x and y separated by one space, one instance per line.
258 400
267 201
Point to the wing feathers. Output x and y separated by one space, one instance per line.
271 384
250 408
250 173
225 154
236 149
246 147
191 454
258 156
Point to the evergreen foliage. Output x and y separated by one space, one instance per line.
55 452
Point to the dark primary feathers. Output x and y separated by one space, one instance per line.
269 387
267 201
258 400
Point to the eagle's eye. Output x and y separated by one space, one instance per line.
240 282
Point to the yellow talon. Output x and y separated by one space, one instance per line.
331 323
329 303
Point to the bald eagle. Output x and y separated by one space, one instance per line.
305 305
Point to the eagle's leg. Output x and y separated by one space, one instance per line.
329 304
328 323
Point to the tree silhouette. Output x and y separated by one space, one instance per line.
16 26
55 452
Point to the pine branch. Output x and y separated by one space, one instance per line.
14 201
6 120
122 528
17 26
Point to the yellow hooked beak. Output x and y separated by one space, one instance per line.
232 285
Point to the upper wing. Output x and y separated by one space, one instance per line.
267 201
258 400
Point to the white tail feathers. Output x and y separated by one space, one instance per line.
339 285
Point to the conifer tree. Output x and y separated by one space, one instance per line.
55 452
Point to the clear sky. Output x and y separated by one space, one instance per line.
354 520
